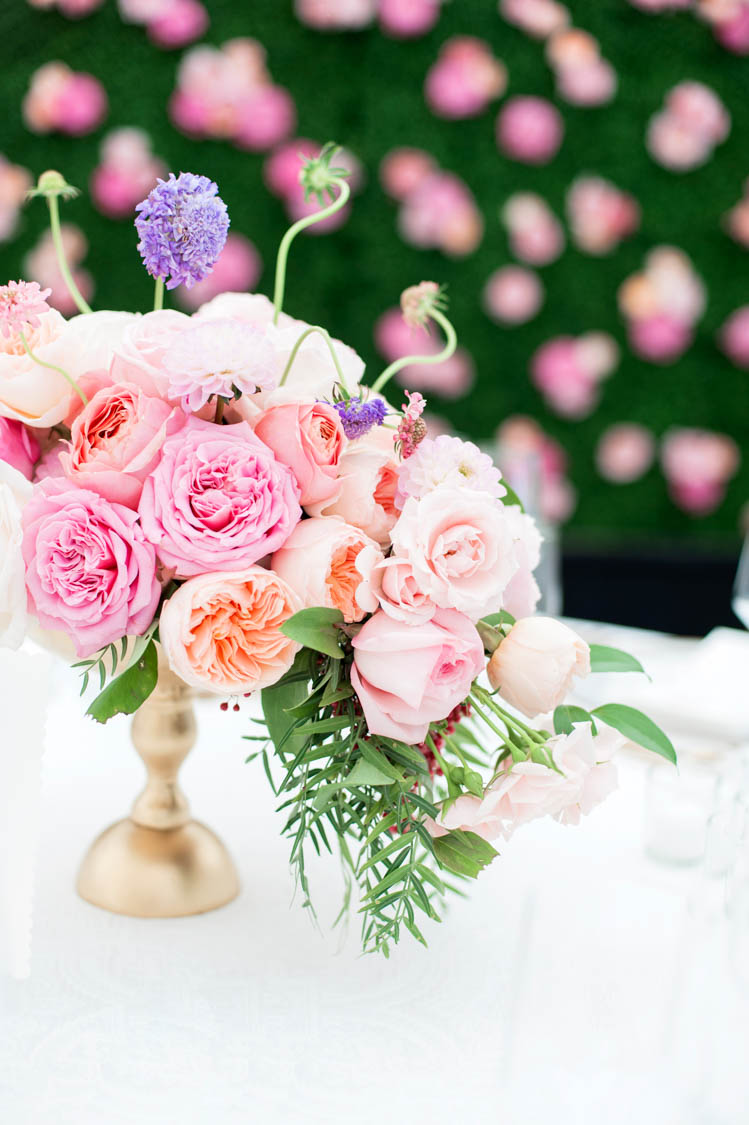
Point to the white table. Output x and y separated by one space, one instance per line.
575 986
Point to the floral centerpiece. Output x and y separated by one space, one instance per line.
226 486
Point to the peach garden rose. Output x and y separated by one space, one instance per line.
222 632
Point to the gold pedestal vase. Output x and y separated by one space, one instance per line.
159 863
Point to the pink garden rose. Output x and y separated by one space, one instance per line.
308 438
534 666
18 447
460 545
89 570
319 562
368 480
116 440
389 584
217 500
408 676
221 632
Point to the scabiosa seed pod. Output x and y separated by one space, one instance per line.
182 227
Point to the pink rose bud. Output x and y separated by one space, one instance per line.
534 666
530 130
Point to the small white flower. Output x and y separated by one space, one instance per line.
447 462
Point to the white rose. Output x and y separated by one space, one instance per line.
15 491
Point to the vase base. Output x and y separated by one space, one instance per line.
155 873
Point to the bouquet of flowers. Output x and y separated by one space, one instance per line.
227 487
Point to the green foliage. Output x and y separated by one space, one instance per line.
464 853
637 727
565 715
606 659
316 628
128 691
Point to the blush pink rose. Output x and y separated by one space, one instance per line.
139 355
389 584
366 497
222 632
535 664
308 438
115 442
217 500
18 447
319 562
460 545
408 676
89 570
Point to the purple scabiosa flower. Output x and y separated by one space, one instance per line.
358 417
182 226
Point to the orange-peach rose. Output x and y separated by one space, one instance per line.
221 632
318 561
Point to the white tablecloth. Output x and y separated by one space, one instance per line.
574 986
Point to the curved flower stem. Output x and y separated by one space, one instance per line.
438 757
54 222
421 360
52 367
158 295
295 352
487 699
288 238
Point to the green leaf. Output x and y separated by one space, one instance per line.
291 690
465 853
565 716
511 498
637 727
125 694
496 619
366 773
606 659
316 628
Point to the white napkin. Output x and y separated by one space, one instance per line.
24 692
699 690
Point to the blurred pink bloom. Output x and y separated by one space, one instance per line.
142 11
737 219
600 215
734 337
15 181
40 264
625 452
403 169
227 92
60 99
441 213
567 371
529 129
395 339
127 172
237 270
535 466
733 31
465 79
406 19
536 235
73 9
180 23
513 295
684 133
660 5
265 118
594 84
539 18
335 15
697 465
661 339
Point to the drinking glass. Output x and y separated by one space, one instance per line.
740 603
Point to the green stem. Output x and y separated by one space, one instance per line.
487 699
441 761
52 367
220 404
421 360
158 295
54 222
288 238
489 722
297 346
